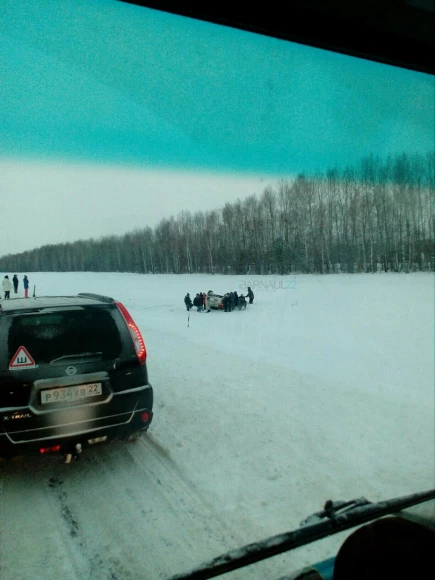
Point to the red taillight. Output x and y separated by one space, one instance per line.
145 416
135 334
53 449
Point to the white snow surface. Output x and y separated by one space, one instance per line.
322 389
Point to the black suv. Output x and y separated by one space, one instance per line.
72 373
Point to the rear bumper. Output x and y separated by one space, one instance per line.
114 421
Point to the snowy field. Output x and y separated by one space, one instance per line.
322 389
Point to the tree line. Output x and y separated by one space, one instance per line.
375 216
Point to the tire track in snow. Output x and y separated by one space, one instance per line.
97 567
123 512
221 530
35 542
197 531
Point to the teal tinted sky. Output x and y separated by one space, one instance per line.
104 81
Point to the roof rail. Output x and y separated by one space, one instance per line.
96 296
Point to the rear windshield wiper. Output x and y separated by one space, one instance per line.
78 357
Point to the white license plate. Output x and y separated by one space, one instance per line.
68 394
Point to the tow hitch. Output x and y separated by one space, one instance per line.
73 453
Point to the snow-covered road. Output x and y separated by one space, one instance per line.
121 512
322 389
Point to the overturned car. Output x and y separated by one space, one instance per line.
217 301
214 301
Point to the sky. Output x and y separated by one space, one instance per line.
260 417
57 202
104 84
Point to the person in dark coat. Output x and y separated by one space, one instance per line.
197 301
236 299
204 300
242 302
250 295
232 301
26 286
15 283
188 302
226 302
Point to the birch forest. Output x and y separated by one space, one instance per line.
374 217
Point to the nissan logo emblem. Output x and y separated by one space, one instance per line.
71 370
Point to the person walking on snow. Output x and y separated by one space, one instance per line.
250 295
7 287
15 283
26 286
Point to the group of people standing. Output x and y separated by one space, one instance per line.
230 301
8 285
199 301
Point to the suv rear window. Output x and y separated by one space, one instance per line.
48 336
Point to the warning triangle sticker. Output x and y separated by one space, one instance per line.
21 359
